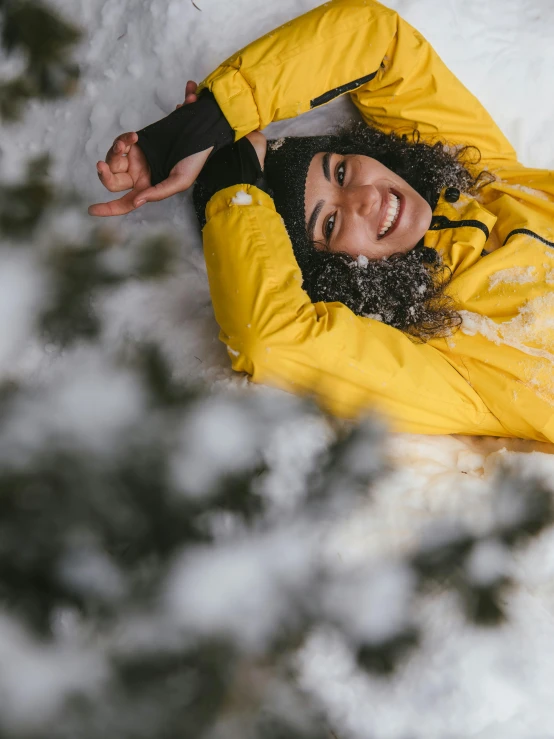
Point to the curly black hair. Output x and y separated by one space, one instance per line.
406 291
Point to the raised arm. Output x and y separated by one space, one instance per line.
359 46
352 364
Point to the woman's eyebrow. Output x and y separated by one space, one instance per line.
319 206
313 219
326 166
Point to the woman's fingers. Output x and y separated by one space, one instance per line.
114 182
116 158
167 188
190 94
127 139
190 90
118 207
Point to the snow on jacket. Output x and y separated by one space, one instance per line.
495 375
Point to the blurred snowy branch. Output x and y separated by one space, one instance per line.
42 39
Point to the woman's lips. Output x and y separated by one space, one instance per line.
384 210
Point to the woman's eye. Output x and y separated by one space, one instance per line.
329 226
341 172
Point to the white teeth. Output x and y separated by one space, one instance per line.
391 215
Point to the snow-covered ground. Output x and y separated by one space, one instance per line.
136 59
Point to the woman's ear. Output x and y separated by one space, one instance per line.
259 142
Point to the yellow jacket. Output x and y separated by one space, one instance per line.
495 376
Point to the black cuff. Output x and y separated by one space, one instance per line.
233 165
188 130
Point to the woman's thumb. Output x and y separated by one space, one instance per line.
163 190
181 177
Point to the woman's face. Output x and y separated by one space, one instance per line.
355 204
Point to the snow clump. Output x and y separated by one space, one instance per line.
372 606
487 563
241 588
217 438
242 198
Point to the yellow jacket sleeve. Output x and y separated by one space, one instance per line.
352 364
396 79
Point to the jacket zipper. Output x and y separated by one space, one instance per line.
439 223
332 94
527 232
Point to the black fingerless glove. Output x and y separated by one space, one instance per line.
188 130
233 165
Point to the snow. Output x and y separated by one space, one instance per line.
277 144
530 325
218 436
371 607
21 293
529 331
238 588
242 198
89 402
529 191
136 59
513 276
88 570
41 677
292 453
487 563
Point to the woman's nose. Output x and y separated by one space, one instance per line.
364 199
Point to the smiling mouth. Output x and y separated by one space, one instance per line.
391 216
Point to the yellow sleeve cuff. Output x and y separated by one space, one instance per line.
235 97
238 196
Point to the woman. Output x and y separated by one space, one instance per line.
476 353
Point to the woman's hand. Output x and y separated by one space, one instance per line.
256 138
126 168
